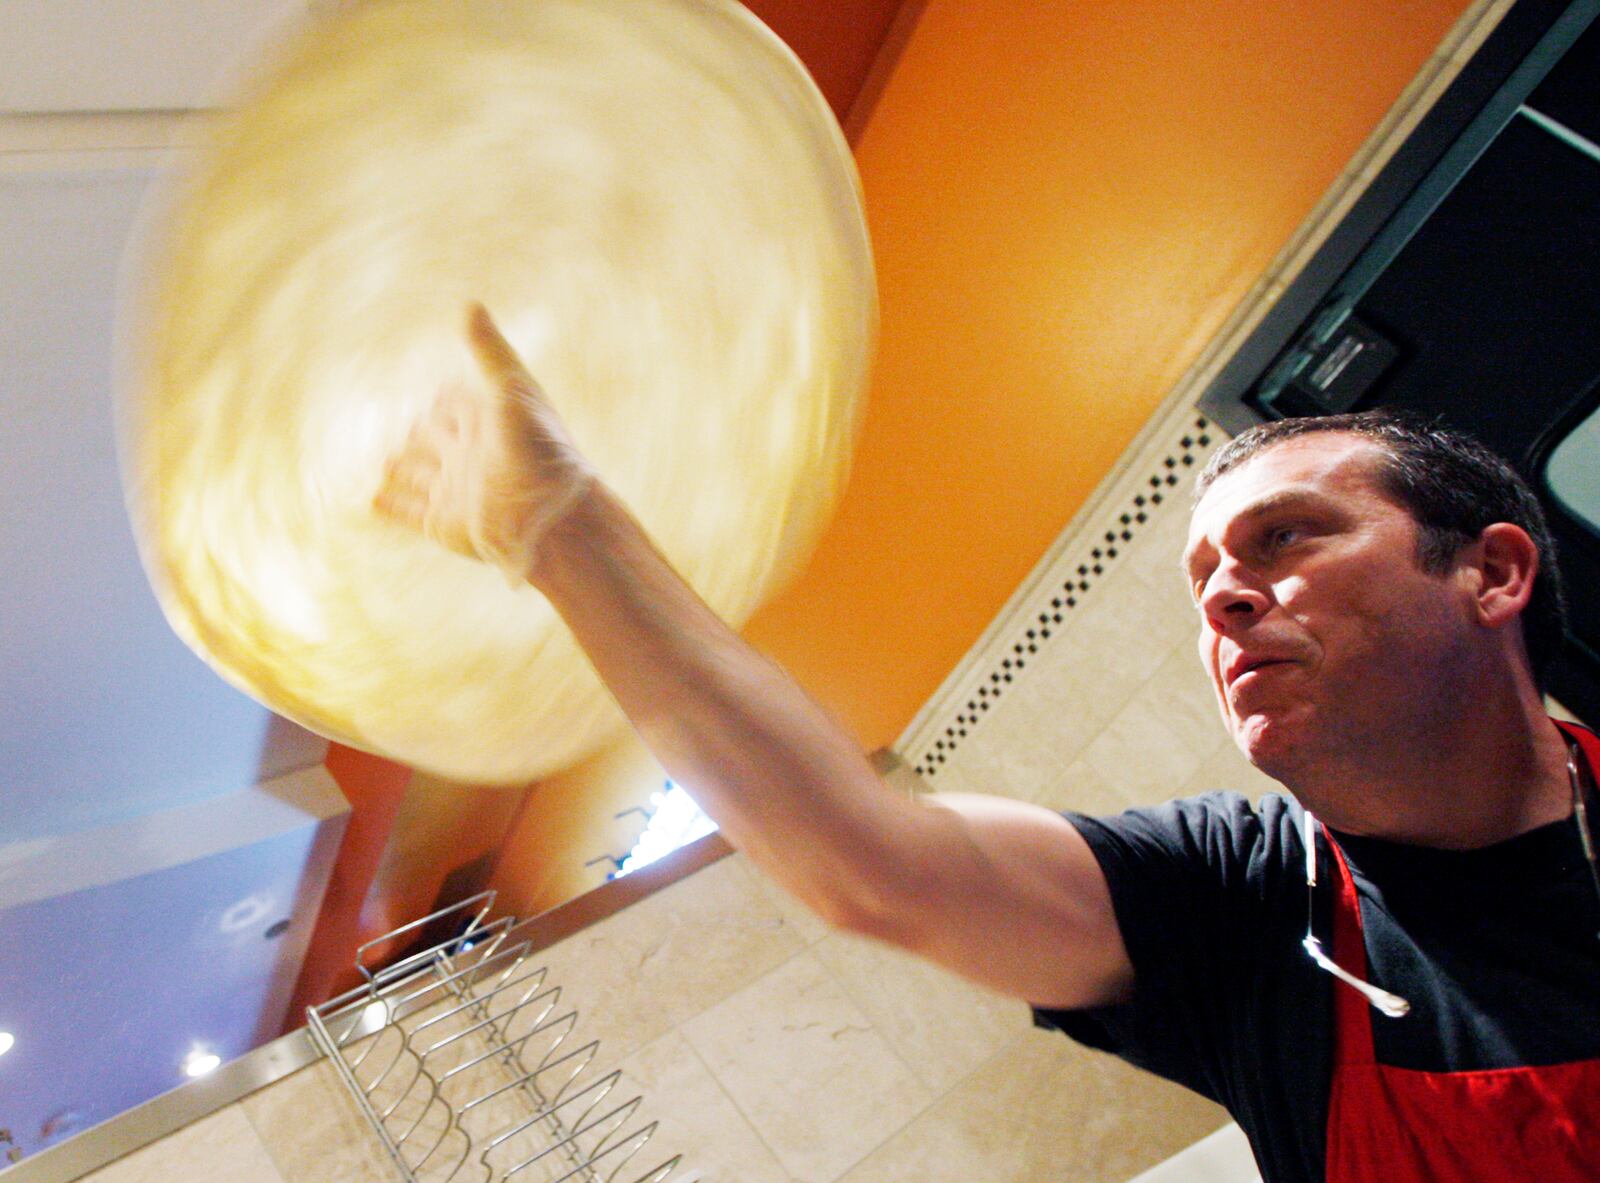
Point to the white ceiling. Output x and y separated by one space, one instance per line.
126 55
146 852
108 715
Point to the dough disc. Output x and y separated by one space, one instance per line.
656 204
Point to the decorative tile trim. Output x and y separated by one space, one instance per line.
1132 498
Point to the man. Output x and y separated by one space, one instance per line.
1372 657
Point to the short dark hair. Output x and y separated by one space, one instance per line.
1452 485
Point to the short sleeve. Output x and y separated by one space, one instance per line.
1206 896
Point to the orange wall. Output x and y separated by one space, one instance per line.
1066 201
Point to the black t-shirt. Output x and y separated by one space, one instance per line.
1496 949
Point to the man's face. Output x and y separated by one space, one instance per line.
1318 628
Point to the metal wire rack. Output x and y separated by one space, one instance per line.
462 1057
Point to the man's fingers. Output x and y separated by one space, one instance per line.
417 509
453 416
413 479
401 504
409 484
494 353
524 417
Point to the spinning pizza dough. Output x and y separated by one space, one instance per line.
655 203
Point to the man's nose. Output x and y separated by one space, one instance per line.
1231 600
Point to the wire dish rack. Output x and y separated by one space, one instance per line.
465 1060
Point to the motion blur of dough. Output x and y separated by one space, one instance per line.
658 208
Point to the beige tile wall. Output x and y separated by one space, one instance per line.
313 1130
194 1152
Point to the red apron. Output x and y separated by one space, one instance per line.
1398 1125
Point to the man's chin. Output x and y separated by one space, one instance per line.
1269 743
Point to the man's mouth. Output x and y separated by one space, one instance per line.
1243 665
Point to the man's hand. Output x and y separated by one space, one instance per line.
487 477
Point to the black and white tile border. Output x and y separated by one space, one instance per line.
1060 583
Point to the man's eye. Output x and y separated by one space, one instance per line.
1282 536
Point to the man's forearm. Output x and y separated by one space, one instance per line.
785 781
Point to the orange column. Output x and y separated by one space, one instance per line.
375 788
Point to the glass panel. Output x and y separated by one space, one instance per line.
675 820
1573 472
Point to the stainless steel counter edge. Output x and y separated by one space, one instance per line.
110 1140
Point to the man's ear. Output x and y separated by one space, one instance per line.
1507 560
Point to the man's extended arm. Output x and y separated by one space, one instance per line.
1001 891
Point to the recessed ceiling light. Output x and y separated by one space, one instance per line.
246 913
6 1040
199 1063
